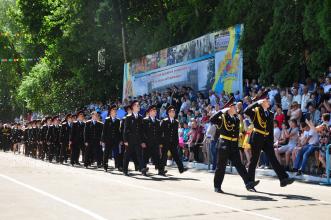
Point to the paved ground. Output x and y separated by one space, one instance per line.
32 189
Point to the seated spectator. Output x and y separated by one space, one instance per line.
313 114
285 101
324 141
304 153
283 140
279 116
302 141
295 112
277 132
292 134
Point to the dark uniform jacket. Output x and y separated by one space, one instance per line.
133 129
65 132
262 123
228 126
169 131
93 132
77 132
152 130
111 132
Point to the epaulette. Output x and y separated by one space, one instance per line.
165 119
146 118
108 118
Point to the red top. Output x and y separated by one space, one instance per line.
280 118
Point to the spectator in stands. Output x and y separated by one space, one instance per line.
279 116
285 101
295 112
305 100
314 114
292 134
327 84
195 139
303 155
296 96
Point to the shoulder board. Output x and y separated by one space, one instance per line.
107 118
165 119
88 121
146 118
177 120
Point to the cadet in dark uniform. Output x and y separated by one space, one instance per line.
92 140
76 139
34 138
228 123
53 139
128 111
46 123
111 138
152 132
64 138
6 130
134 139
39 139
262 138
170 141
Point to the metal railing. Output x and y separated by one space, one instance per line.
327 166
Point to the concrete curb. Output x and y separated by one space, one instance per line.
260 172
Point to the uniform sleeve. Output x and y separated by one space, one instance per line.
126 131
215 119
104 131
250 110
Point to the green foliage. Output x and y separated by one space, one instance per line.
282 41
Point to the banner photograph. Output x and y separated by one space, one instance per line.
213 61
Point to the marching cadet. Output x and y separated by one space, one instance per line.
111 138
262 138
152 132
29 146
228 123
169 136
52 138
64 138
39 139
76 139
128 111
6 131
16 135
43 132
57 145
134 139
1 135
92 140
25 139
33 139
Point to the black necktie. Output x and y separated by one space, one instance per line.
266 113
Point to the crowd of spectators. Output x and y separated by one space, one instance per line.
301 123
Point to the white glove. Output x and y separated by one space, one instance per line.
260 101
225 110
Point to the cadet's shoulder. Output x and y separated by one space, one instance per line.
100 122
146 118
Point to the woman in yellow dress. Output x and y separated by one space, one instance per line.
248 127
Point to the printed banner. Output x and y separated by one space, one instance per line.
213 61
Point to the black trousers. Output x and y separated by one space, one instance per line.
50 151
64 152
75 151
228 150
173 148
93 152
107 154
260 142
135 152
153 151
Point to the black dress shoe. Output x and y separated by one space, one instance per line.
250 186
126 174
183 170
218 190
162 173
299 173
286 182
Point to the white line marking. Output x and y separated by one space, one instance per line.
195 199
58 199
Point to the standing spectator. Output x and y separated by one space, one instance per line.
196 136
305 100
296 96
285 101
212 98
